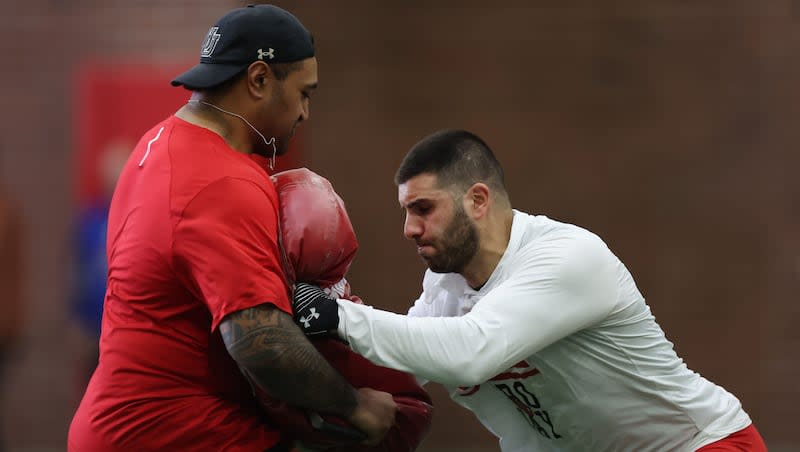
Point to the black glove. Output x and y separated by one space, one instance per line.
315 312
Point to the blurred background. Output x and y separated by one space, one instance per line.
668 127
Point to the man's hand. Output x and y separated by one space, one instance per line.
314 311
374 414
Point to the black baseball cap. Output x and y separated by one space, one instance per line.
245 35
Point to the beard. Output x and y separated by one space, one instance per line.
276 111
282 143
264 148
457 247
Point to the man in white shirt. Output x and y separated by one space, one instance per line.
532 324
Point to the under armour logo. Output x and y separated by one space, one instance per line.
307 320
210 43
270 53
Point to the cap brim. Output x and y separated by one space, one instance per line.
206 75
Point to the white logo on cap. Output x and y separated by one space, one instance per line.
212 38
270 53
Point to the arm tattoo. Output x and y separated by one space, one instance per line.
276 355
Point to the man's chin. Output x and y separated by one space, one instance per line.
435 267
282 145
425 259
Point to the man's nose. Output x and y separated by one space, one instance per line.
412 228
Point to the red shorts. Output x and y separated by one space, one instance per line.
745 440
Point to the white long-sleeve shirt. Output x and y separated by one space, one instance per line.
557 351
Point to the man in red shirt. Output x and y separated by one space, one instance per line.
197 304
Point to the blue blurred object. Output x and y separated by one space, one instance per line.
92 266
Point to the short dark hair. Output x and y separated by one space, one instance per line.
458 158
280 70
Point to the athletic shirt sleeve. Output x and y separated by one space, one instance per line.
557 288
226 248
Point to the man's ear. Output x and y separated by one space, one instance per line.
258 77
477 200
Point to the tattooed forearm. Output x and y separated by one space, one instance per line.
273 351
